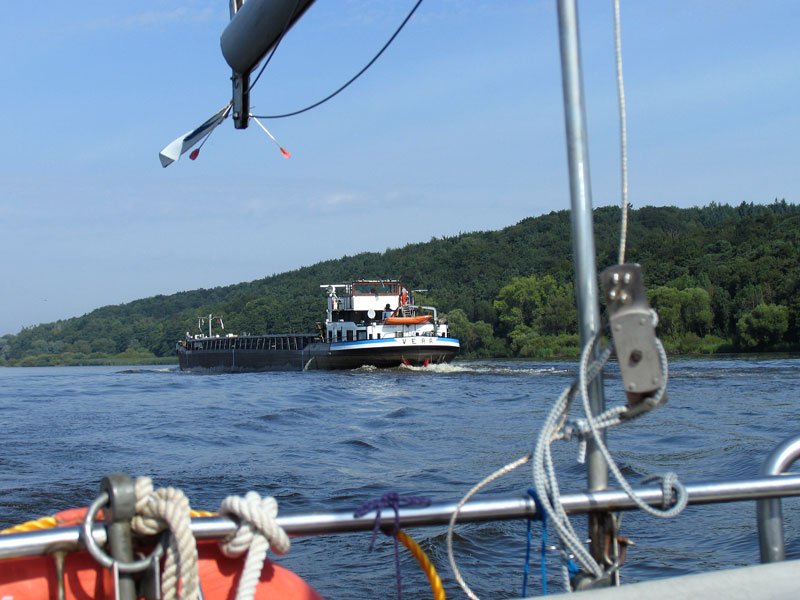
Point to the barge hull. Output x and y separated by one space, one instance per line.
321 356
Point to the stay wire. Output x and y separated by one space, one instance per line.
352 79
623 132
275 47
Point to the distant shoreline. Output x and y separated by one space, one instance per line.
123 360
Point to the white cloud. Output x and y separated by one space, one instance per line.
338 200
147 19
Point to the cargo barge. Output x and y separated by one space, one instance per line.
367 323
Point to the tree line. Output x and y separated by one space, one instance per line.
722 278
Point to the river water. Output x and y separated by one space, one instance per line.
326 441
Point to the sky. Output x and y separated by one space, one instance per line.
458 127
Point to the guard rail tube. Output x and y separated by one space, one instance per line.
343 521
769 513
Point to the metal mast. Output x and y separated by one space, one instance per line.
583 249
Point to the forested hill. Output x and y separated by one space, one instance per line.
723 273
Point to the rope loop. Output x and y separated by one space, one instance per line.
669 483
391 500
258 531
168 508
394 501
257 517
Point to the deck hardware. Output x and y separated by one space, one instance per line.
584 581
150 582
121 509
58 560
632 325
119 496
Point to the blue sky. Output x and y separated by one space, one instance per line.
457 128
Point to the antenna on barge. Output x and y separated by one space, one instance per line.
201 321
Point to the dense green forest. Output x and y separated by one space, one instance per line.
722 278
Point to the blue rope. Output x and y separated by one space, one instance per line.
394 501
541 515
573 568
527 568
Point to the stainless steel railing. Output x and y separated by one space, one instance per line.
336 522
769 513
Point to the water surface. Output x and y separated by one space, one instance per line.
330 440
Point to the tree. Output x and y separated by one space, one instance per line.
696 311
104 346
741 256
765 325
5 343
667 303
682 311
477 339
538 303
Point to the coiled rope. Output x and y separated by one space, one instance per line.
258 532
169 508
557 426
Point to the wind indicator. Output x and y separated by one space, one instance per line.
187 141
284 152
256 27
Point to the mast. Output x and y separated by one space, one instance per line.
583 248
256 27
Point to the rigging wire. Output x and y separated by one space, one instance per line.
623 132
352 79
275 47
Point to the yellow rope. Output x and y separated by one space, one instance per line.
50 523
43 523
425 563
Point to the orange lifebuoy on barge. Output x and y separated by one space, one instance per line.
408 320
36 577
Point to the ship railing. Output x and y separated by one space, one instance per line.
767 490
417 307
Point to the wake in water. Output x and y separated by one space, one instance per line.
142 371
484 368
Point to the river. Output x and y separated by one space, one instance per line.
332 440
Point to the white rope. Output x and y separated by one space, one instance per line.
547 489
169 508
623 132
257 532
556 427
454 517
681 496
